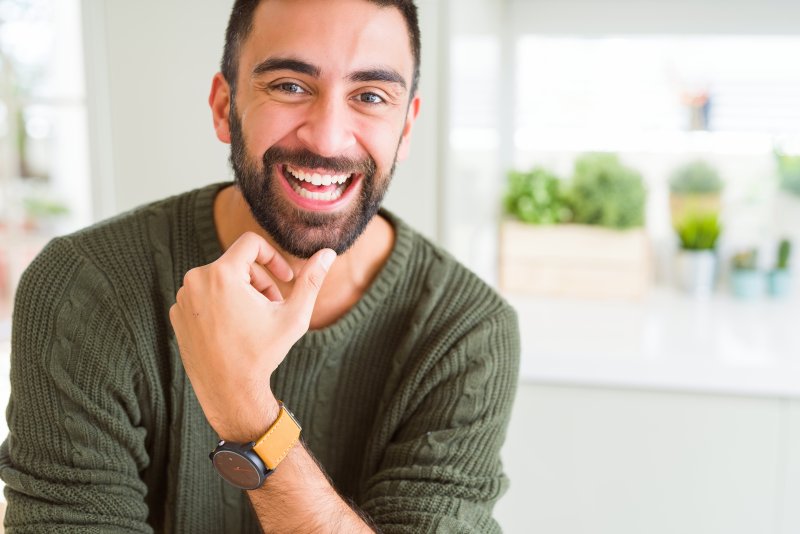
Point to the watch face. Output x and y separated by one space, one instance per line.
237 470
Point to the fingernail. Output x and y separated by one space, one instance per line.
327 258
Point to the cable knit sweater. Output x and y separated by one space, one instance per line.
404 401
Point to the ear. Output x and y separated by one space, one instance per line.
220 102
405 139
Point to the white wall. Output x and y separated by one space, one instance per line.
149 69
592 17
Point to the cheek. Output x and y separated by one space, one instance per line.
380 139
264 127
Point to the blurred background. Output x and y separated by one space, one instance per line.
625 172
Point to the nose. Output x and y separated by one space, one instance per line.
327 130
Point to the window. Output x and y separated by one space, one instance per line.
44 176
642 93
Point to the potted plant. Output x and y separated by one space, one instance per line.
536 197
786 210
584 238
789 172
780 278
697 259
606 193
695 188
746 280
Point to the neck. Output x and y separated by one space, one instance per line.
351 273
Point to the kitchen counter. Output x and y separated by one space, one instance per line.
668 341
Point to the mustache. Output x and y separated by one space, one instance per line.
305 158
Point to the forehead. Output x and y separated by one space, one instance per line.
338 36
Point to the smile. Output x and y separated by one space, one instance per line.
316 186
318 190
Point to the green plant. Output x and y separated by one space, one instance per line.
746 260
41 208
697 177
789 171
535 197
784 251
699 232
606 193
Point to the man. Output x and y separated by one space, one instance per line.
140 343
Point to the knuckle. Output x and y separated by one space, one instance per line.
191 276
250 239
220 273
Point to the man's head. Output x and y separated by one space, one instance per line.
240 24
317 98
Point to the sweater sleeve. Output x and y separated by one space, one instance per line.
442 471
75 448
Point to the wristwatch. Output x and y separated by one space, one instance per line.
247 465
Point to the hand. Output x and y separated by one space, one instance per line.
234 328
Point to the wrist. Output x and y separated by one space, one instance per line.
253 421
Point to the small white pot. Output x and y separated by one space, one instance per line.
697 271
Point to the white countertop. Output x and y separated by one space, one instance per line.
665 342
668 341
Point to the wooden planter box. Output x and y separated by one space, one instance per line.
574 260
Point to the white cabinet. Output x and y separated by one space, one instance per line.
663 416
586 460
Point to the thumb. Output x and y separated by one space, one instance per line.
309 281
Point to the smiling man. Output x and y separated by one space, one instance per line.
146 341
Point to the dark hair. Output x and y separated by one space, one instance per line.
240 24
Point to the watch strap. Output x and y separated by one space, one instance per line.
279 439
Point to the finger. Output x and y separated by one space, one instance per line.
309 281
252 248
263 283
273 294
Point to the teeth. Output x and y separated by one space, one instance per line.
318 179
313 195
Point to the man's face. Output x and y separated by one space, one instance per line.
321 114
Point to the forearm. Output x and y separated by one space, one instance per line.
298 497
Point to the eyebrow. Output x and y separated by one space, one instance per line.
378 74
286 63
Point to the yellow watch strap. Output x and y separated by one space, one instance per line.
276 443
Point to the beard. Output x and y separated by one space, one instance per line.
299 232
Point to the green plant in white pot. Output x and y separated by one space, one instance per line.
780 278
747 281
580 239
695 188
697 259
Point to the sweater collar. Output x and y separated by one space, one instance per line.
384 284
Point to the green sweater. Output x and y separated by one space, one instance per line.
404 401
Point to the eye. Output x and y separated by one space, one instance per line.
289 87
370 98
